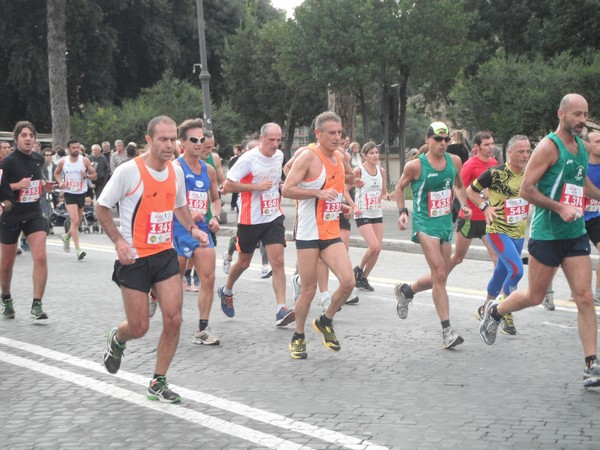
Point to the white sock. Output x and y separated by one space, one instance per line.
227 291
325 295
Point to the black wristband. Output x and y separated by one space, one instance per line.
403 210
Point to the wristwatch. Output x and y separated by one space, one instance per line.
484 205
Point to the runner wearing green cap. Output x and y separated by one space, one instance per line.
433 176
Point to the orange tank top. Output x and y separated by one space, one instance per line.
152 227
328 212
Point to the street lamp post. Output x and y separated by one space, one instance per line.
204 75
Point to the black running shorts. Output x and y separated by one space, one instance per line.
552 253
9 233
146 271
268 233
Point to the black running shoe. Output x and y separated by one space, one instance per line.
364 284
8 312
352 300
37 313
113 353
358 274
159 390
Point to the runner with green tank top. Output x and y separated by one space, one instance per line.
434 176
432 201
553 181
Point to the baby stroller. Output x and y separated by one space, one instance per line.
89 223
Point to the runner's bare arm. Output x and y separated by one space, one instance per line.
459 187
213 224
91 173
105 217
412 171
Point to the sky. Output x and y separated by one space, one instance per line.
288 5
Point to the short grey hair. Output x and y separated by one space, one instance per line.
265 128
327 116
516 138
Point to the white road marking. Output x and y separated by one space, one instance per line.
257 414
138 399
557 325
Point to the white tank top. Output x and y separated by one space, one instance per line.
368 198
72 174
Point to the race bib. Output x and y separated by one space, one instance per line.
439 203
592 205
373 200
198 201
74 183
332 209
515 210
269 203
30 194
160 227
572 195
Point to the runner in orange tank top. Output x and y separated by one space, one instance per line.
316 180
149 190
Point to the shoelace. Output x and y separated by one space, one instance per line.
229 301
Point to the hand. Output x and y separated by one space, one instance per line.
357 211
346 210
25 183
490 213
570 213
124 252
48 186
214 225
402 221
466 211
198 216
328 195
392 196
200 236
263 185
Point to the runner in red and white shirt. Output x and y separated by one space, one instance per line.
257 177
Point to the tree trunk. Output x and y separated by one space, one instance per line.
403 97
345 106
290 128
386 126
57 70
364 113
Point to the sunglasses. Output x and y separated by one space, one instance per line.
441 138
195 140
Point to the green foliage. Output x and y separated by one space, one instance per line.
177 99
513 95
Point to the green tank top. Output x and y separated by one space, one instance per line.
432 200
563 182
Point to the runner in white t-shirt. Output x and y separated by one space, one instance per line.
257 177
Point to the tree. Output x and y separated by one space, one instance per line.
415 45
518 95
57 70
175 98
256 85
